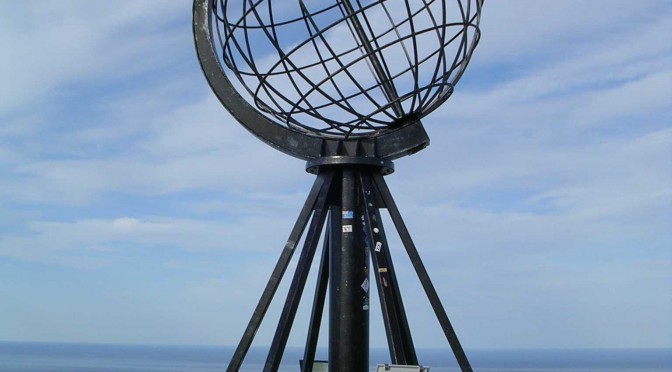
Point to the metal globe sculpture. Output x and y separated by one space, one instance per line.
335 69
342 84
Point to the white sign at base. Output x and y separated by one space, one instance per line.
396 368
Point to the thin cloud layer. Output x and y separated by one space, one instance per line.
542 206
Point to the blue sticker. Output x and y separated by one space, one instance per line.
348 214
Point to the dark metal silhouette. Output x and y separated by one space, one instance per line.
342 84
304 96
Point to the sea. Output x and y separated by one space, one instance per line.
64 357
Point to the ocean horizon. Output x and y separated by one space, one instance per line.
64 357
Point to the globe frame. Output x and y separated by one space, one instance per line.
388 144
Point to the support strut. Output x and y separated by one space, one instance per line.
346 198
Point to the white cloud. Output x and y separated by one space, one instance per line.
101 241
652 93
59 43
528 31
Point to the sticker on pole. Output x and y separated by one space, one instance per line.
379 246
365 285
347 214
347 228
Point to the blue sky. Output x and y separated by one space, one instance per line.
134 209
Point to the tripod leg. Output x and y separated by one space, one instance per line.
420 270
318 305
298 284
321 186
399 338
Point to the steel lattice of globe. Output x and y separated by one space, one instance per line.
334 68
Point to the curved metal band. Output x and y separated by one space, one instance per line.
386 144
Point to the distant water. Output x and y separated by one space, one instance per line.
61 357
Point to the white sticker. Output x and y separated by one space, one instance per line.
347 228
365 285
379 246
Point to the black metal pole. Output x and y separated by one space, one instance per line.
321 186
399 339
298 284
420 270
349 284
318 305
